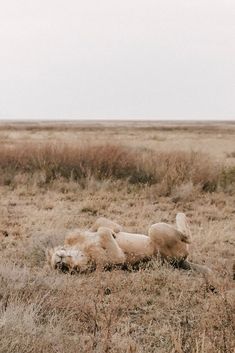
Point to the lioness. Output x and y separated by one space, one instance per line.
106 244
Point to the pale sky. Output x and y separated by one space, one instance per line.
117 59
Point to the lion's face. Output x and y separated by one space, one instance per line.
67 259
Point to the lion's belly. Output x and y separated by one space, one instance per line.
135 246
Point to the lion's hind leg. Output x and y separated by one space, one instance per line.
168 242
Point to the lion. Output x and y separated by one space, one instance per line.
107 244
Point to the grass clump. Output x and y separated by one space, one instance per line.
74 162
109 162
227 178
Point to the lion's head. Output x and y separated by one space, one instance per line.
67 259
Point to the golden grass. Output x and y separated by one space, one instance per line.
136 166
157 309
154 309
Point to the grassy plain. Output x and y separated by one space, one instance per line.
155 309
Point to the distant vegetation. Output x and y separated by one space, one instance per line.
115 162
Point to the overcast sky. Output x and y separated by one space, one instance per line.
117 59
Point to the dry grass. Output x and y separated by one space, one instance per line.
75 162
102 162
158 309
154 309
